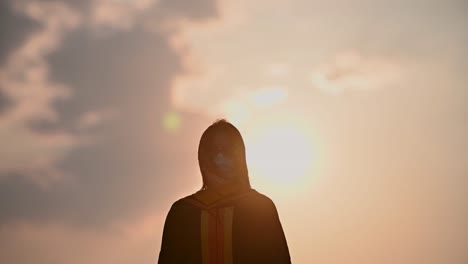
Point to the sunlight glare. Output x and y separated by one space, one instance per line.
280 154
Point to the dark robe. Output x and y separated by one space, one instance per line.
239 228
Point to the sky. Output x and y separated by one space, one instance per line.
354 114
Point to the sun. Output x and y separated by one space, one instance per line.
280 153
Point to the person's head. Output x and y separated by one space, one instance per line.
221 156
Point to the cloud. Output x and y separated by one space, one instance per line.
92 107
92 119
16 27
49 109
55 244
5 102
350 71
152 14
25 81
200 93
120 15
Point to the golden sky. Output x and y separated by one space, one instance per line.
354 115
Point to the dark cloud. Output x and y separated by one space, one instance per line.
14 28
118 179
127 70
132 161
198 9
5 102
20 199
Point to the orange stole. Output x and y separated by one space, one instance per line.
216 235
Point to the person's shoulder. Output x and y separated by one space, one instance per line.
203 200
260 199
260 196
181 203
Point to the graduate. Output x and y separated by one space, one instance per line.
226 222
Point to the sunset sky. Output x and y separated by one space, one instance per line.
354 114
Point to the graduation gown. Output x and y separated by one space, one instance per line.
230 227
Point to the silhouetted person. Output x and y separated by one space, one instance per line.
226 221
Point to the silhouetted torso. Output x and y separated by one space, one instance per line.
239 227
